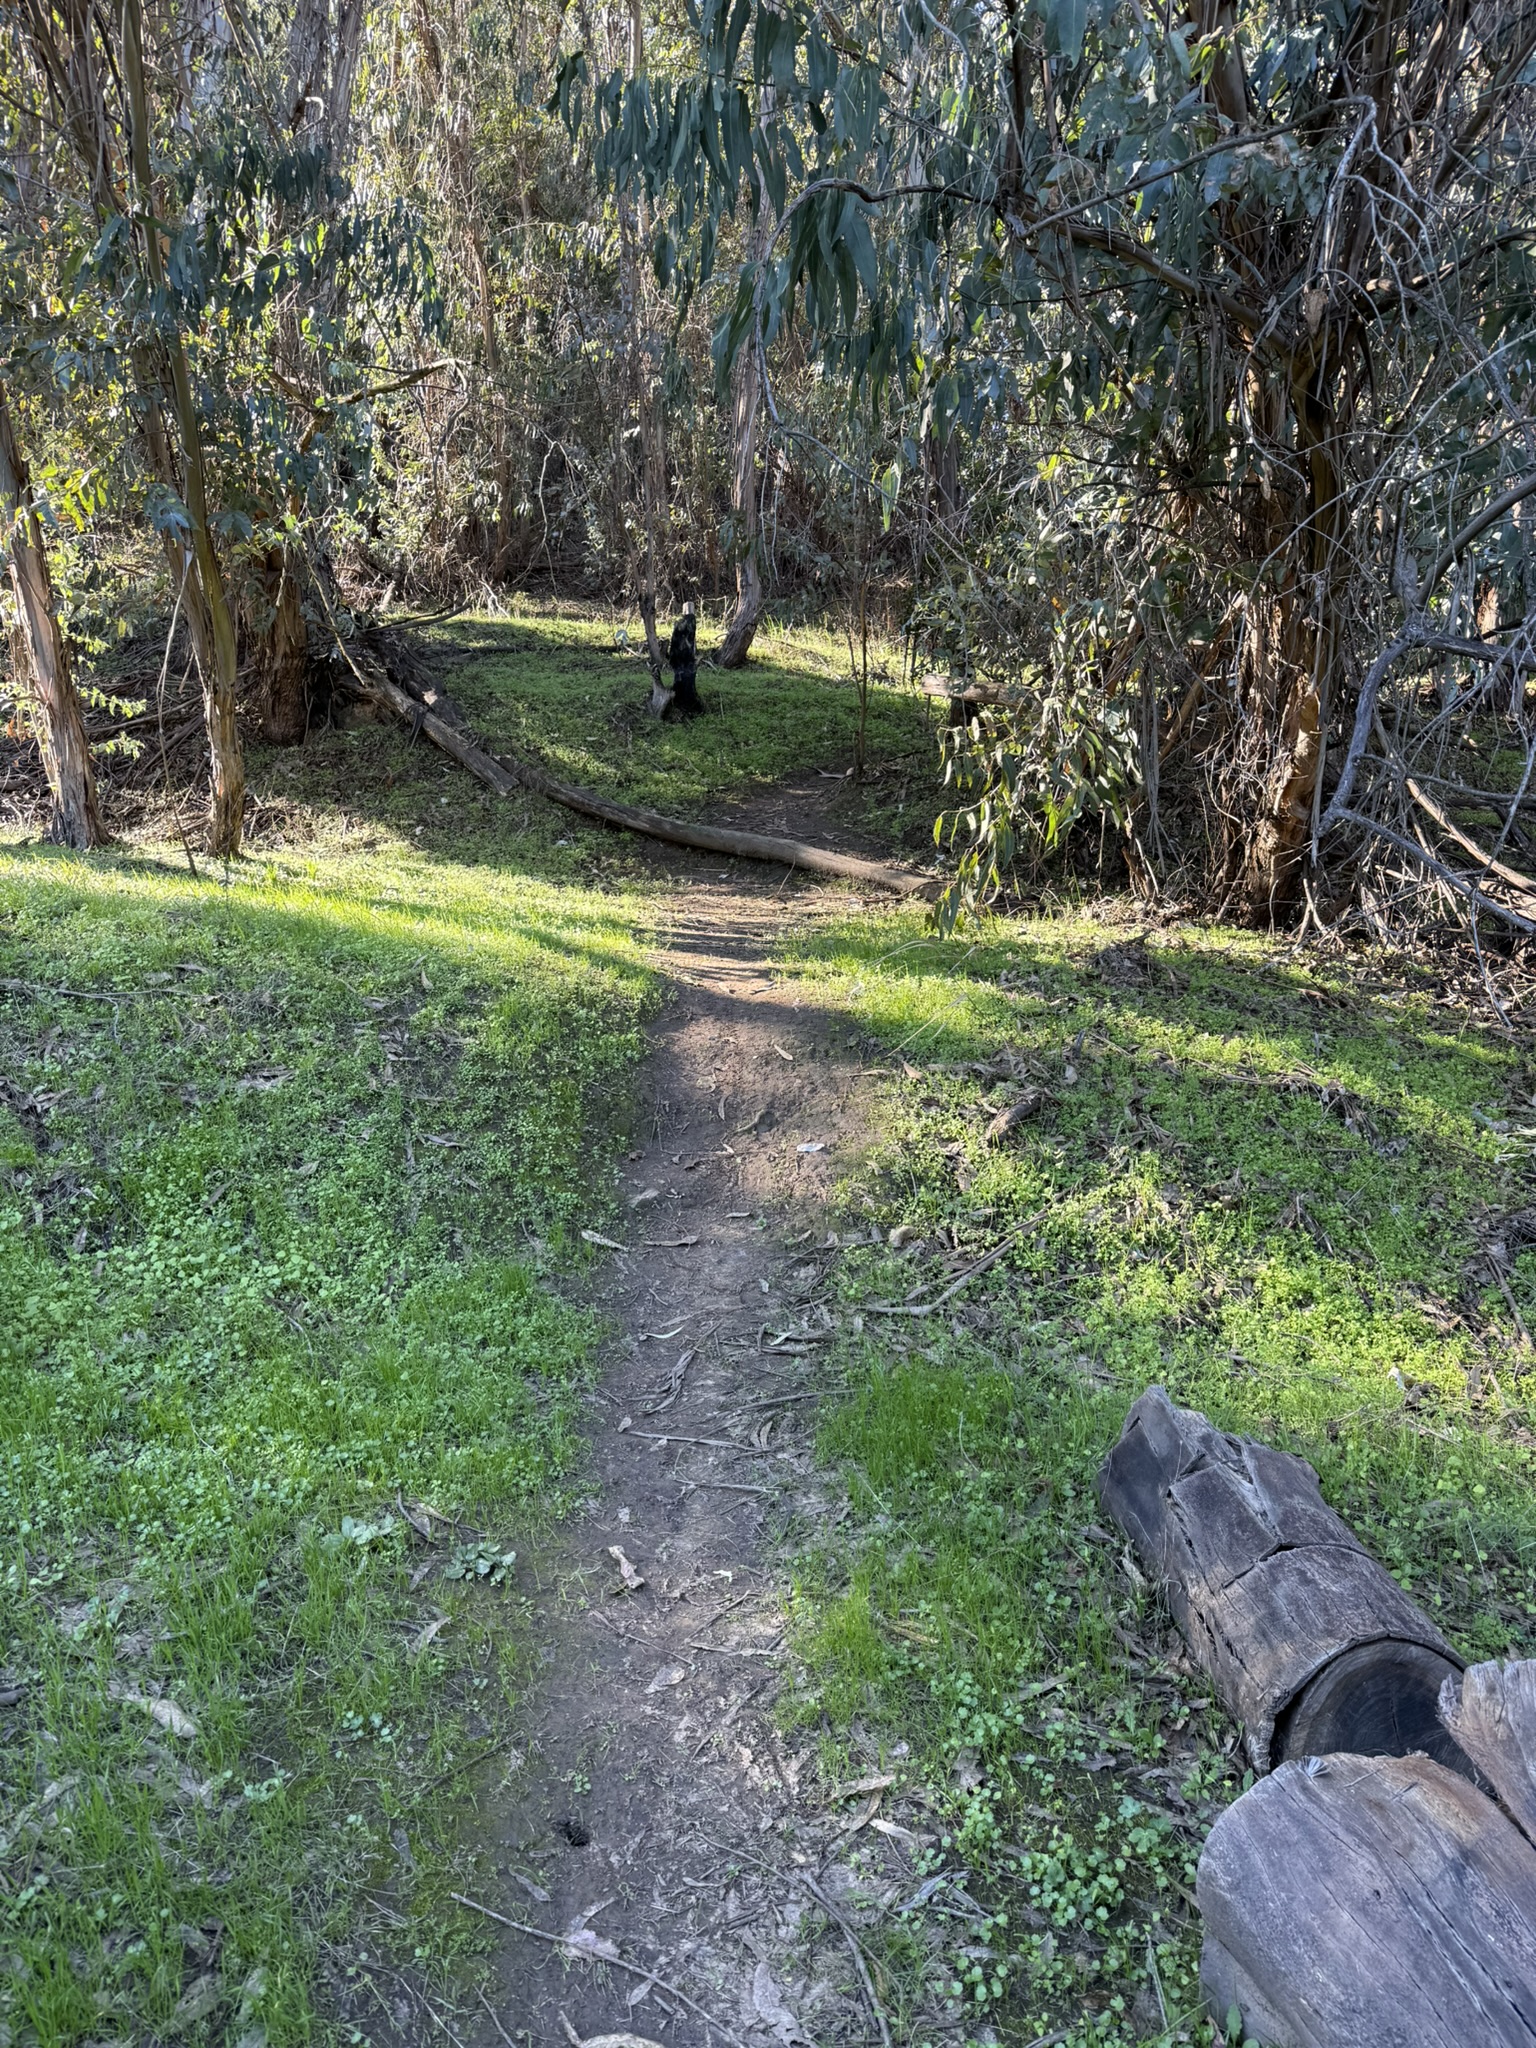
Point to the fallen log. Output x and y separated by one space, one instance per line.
507 778
1354 1900
1309 1642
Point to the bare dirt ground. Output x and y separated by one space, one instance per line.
657 1818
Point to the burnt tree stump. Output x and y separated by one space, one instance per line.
1380 1900
1309 1642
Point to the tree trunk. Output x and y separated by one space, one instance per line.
1309 1642
74 819
746 406
462 182
77 75
645 398
1309 656
220 671
746 398
283 654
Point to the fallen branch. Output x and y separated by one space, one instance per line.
838 1921
926 1308
1479 898
1522 884
507 779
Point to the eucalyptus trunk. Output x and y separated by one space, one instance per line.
746 409
645 398
219 658
74 819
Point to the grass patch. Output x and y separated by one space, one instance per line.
556 685
285 1158
1292 1194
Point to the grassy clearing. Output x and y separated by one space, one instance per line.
1273 1186
556 685
283 1160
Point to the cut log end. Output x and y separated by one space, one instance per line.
1378 1699
1311 1644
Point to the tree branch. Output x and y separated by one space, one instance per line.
1491 513
1448 875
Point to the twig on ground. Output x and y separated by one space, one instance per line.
495 2022
926 1308
618 1962
703 1443
852 1940
723 1650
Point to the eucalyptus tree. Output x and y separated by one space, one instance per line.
1233 305
74 819
238 307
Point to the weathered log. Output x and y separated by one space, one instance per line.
1491 1711
373 683
1352 1900
1309 1642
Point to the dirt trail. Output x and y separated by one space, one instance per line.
657 1808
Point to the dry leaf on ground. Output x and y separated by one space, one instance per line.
590 1947
768 2005
632 1579
428 1634
170 1717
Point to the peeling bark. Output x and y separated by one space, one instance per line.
74 819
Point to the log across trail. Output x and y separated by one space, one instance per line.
373 684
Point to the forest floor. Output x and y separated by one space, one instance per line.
345 1216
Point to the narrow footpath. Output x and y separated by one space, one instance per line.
658 1821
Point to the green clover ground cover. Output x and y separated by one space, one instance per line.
281 1164
1288 1192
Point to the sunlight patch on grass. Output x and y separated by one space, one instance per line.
555 684
284 1159
1273 1185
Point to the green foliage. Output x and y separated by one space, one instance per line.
1187 326
1266 1184
284 1163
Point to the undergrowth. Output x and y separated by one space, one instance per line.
1294 1192
285 1157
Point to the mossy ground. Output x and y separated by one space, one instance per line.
1273 1183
